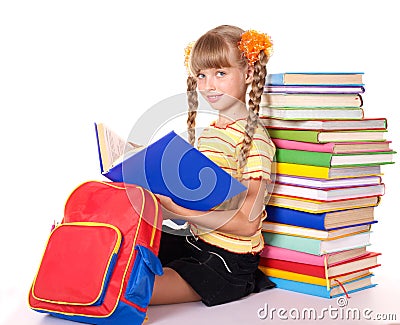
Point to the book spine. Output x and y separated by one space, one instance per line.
295 267
282 274
275 79
314 289
98 147
302 170
301 244
329 195
325 125
284 254
301 287
315 208
292 100
305 146
296 218
300 157
314 89
297 135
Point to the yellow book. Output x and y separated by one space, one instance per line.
282 274
312 206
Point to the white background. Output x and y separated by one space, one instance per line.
66 64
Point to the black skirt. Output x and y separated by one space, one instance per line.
217 275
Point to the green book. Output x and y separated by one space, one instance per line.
315 136
326 159
317 246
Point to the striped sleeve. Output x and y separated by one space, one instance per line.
261 155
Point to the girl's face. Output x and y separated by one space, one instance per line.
224 87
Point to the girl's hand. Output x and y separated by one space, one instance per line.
164 200
170 208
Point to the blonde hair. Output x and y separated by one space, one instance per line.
214 50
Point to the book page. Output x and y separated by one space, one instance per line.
112 146
130 150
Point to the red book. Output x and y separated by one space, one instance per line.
364 262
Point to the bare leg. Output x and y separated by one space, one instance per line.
171 288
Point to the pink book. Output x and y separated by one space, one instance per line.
334 147
285 254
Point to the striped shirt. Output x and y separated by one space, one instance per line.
222 146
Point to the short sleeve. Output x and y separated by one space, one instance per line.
261 155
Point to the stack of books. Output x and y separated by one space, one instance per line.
328 181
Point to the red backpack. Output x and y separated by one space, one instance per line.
99 263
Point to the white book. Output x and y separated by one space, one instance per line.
332 194
312 113
327 183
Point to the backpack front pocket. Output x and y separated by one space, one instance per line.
77 263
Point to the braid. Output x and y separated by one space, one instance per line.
192 111
257 88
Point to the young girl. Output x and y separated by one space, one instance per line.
218 262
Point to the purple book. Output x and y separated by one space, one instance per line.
323 89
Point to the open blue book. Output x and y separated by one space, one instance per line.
169 166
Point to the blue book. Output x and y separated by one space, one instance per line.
315 78
169 166
322 291
321 221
